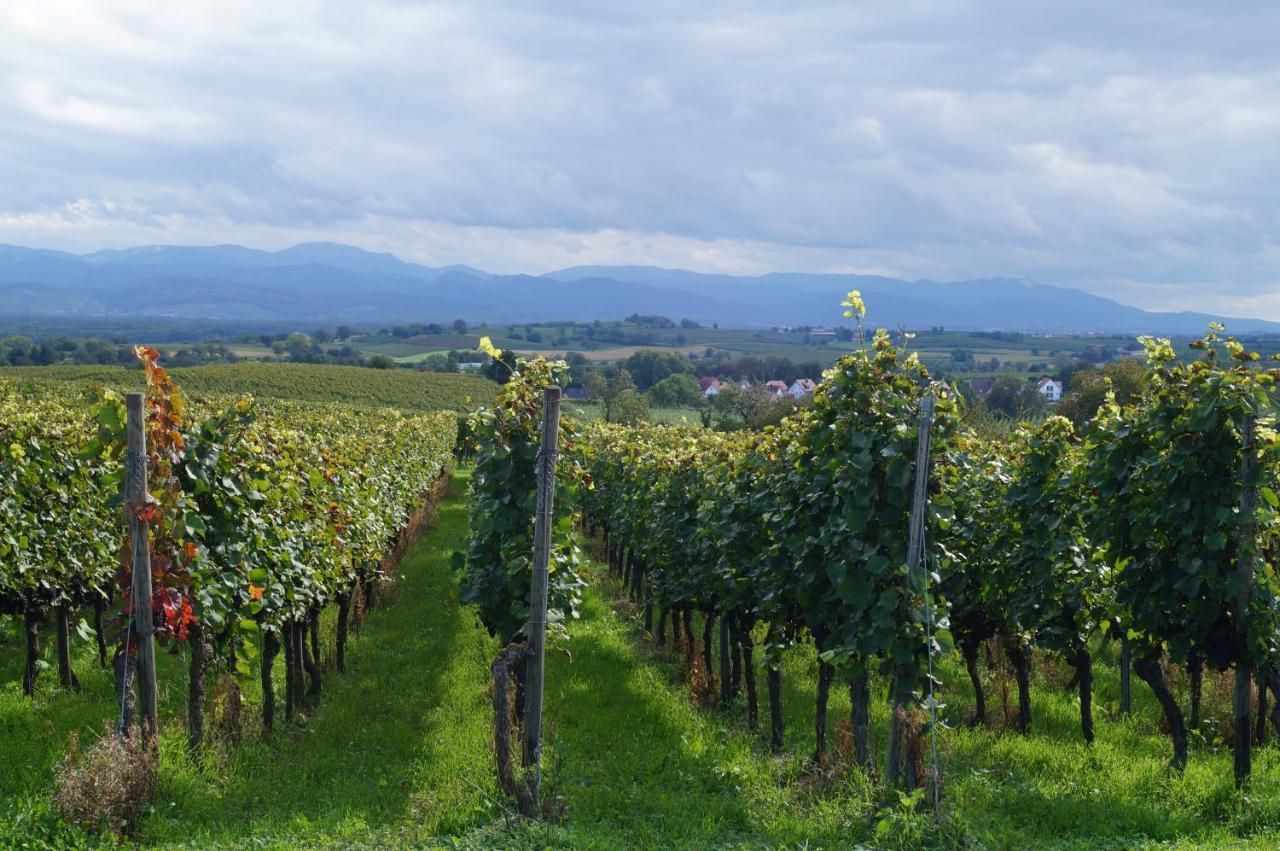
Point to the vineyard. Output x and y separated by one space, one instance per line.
410 391
871 623
258 517
1154 529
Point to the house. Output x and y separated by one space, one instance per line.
776 387
801 388
1050 389
821 332
744 384
711 387
981 387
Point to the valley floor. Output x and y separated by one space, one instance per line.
398 754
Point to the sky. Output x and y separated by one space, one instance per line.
1128 149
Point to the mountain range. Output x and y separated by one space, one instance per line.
323 282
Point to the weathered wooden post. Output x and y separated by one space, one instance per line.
537 630
1126 669
136 497
915 551
1244 564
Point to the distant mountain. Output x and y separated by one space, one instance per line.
330 282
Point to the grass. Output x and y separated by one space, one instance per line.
398 752
421 391
401 741
593 411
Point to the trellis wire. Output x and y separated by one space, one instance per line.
124 677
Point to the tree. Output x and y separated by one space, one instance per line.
298 345
593 383
459 326
381 362
678 389
345 332
650 366
501 368
1088 389
322 335
628 408
1015 398
752 407
618 383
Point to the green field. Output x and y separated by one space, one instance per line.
398 753
955 353
420 391
401 347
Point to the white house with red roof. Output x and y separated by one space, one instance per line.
710 386
801 388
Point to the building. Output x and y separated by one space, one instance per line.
1050 389
710 386
776 387
981 387
802 387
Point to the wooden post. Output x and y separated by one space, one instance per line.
1244 564
1126 668
537 630
915 551
140 537
920 496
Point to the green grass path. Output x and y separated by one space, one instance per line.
398 753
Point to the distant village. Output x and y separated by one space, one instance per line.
801 388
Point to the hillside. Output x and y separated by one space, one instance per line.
326 282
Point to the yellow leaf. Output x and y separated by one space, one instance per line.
853 301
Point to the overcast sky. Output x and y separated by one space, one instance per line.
1130 149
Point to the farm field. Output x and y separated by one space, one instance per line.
307 382
242 350
398 753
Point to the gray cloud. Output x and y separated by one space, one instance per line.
1127 149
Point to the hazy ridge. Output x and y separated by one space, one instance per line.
330 282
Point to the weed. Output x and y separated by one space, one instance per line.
108 787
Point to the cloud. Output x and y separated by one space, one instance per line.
1127 149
